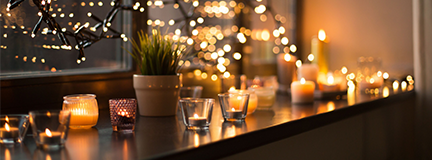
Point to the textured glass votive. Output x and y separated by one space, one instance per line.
123 114
234 106
84 110
13 128
50 128
196 112
191 92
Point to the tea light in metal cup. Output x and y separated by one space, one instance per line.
50 128
13 128
234 106
123 114
196 112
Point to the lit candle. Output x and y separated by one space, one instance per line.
253 100
302 91
9 132
319 50
237 114
237 102
197 121
329 85
49 137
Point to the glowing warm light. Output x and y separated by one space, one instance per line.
241 37
48 132
409 78
344 70
7 127
311 57
227 48
196 138
395 85
197 72
298 63
379 73
284 41
232 88
282 29
287 57
226 74
330 80
302 80
321 35
237 56
204 75
276 33
7 119
293 48
214 77
260 9
232 109
371 81
386 92
265 35
330 106
403 85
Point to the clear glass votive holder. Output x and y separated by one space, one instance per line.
234 106
191 92
266 97
123 114
196 112
84 110
50 128
13 128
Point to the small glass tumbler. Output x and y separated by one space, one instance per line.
13 128
234 106
196 112
191 92
50 128
84 110
123 114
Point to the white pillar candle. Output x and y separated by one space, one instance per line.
302 91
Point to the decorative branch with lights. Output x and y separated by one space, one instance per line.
82 36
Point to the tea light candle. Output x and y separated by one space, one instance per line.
329 85
9 132
49 137
302 91
237 114
197 121
252 103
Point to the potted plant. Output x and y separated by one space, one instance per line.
157 86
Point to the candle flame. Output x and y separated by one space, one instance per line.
396 84
196 115
302 80
232 88
48 132
287 57
321 35
232 109
7 127
7 119
330 80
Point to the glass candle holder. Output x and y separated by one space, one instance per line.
196 112
13 128
266 97
50 128
191 92
234 106
84 110
123 114
369 76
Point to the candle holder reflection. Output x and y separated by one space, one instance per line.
13 128
40 154
196 112
232 129
299 111
234 106
15 151
196 138
50 128
124 146
123 114
83 141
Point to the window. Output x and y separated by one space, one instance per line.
23 56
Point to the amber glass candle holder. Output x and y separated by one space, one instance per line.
123 114
84 110
50 128
13 128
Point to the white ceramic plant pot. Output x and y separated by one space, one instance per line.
157 95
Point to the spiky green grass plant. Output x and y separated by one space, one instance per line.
156 54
